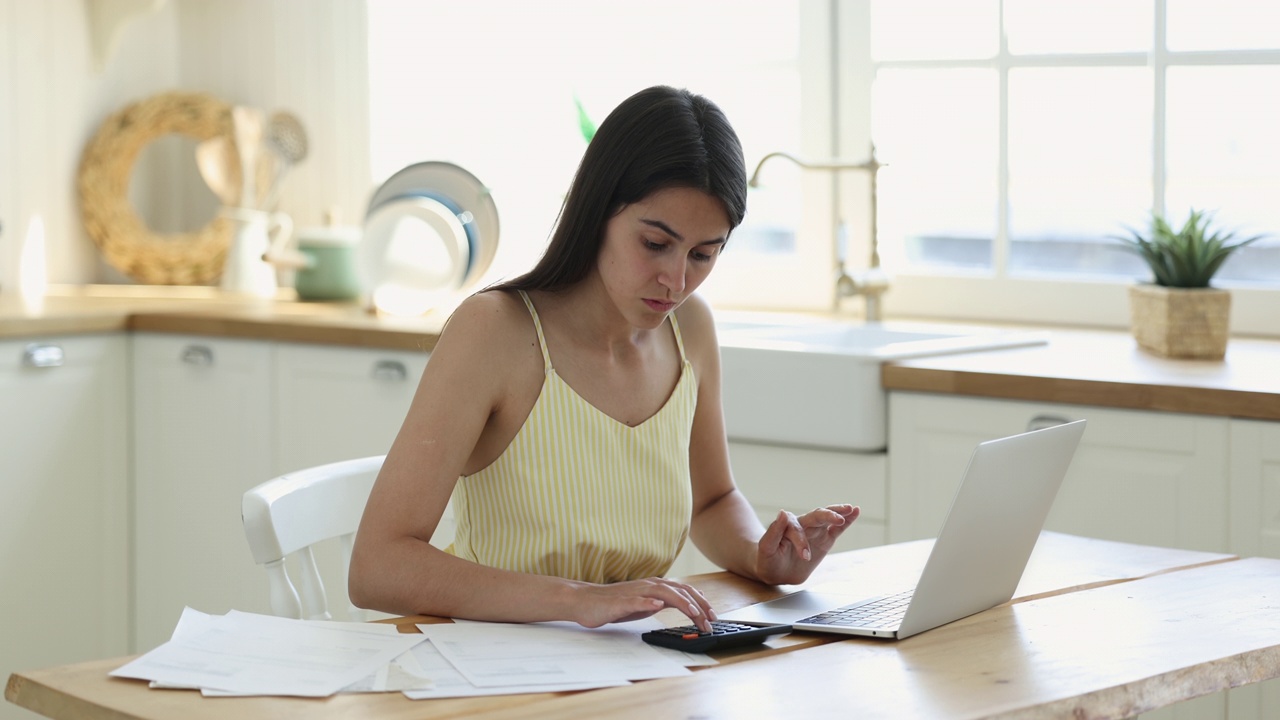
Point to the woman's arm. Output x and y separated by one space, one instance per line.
473 370
725 527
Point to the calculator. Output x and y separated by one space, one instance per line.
723 635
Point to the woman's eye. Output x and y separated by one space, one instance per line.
699 256
654 245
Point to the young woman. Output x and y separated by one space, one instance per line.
574 413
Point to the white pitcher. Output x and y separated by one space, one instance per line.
245 272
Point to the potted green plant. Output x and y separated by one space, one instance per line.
1179 314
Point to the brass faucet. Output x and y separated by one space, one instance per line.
872 283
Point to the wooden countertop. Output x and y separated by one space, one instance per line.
1083 367
205 311
1099 367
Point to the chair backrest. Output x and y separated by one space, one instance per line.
293 512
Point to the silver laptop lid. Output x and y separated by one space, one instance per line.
992 526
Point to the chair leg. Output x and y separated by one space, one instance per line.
353 612
284 599
314 606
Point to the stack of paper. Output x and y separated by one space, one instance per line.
468 658
246 654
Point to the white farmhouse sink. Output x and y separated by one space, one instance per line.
816 382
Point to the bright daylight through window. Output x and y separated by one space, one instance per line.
1018 135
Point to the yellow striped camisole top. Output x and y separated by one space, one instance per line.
580 495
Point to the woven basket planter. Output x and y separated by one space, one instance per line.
1181 322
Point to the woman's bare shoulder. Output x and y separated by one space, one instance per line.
489 327
697 328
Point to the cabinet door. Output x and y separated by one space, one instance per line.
1143 477
777 477
1255 488
64 543
340 403
1255 530
202 437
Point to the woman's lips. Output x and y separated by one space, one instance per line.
659 305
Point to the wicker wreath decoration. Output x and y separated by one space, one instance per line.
193 258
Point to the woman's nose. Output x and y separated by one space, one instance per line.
673 274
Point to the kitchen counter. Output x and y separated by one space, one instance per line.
1087 367
1106 368
204 311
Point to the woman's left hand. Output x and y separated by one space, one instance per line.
792 547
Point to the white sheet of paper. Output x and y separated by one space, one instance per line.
498 654
268 655
451 683
402 673
636 627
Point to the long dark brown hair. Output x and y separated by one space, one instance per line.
659 138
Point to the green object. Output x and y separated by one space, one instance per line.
331 272
585 123
1185 258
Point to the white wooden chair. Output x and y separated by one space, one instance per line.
293 512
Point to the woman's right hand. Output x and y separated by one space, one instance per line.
595 605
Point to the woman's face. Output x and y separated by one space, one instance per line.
658 250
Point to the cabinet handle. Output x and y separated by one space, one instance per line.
38 355
1040 422
390 371
197 355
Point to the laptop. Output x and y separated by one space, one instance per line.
978 558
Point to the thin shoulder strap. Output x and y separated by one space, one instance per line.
542 340
675 327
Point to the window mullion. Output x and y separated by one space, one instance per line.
1159 62
1000 248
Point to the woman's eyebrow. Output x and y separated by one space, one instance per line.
670 231
663 227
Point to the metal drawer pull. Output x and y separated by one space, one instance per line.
37 355
1040 422
390 371
197 355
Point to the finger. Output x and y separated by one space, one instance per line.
795 533
702 601
821 516
772 538
682 598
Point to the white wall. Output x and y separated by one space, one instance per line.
306 56
51 101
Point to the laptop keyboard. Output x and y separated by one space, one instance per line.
882 612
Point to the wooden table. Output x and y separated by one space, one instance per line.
1099 629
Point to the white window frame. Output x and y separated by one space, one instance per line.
802 280
994 296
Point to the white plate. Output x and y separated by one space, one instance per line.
414 254
461 188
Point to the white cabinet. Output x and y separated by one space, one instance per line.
215 417
64 536
1255 530
336 403
202 436
778 477
1255 488
1145 477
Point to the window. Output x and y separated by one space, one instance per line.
493 86
1018 134
1017 146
